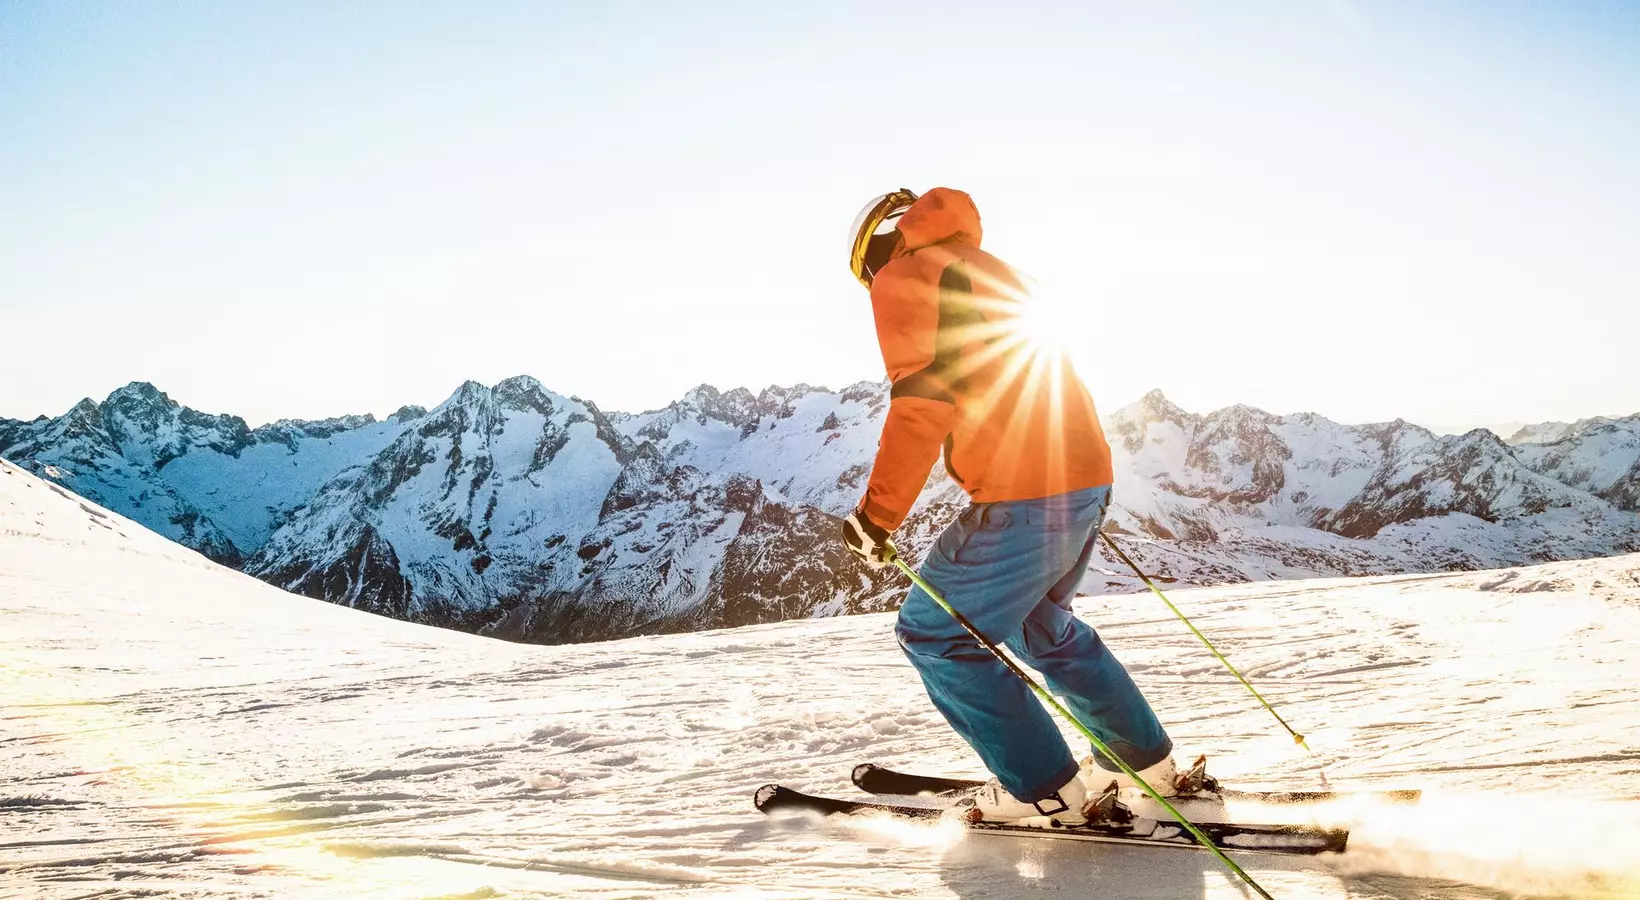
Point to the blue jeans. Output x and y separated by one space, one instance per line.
1012 568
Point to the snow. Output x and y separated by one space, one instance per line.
577 481
269 479
174 728
1331 464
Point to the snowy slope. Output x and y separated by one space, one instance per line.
199 733
520 512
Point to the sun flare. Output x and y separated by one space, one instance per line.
1044 322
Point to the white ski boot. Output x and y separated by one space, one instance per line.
993 804
1164 776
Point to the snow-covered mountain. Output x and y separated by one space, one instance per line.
1600 455
532 515
526 514
1535 433
206 481
1240 494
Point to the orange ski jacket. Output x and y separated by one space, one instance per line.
1014 420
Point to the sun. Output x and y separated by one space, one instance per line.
1043 322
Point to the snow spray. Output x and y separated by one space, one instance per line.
1538 844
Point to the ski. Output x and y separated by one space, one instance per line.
1289 839
875 779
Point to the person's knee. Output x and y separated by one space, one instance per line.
915 638
1057 634
906 631
933 644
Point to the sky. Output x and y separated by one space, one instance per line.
1368 210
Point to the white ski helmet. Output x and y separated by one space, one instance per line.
875 233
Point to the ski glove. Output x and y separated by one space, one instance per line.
867 540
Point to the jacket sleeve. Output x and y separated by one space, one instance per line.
922 410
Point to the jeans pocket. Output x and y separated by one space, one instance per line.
983 535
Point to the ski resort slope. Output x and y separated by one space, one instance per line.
171 728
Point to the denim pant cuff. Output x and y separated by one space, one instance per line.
1051 786
1132 756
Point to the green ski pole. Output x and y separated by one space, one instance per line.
1297 738
1052 703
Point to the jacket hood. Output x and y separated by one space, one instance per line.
941 215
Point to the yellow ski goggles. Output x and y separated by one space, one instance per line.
875 233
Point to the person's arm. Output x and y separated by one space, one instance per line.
922 410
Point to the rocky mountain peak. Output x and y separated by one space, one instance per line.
1131 423
140 394
1153 407
1601 425
737 397
865 392
470 403
1555 432
1399 433
779 402
737 407
1541 433
521 392
407 412
287 431
334 423
1239 422
1308 420
519 384
1243 412
1484 438
139 407
699 396
144 418
471 392
644 478
85 415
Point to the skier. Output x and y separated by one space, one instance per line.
1020 434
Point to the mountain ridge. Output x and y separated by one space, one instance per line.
525 513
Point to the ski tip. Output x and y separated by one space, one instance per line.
765 795
862 772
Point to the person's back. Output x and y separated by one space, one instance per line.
1014 420
1021 435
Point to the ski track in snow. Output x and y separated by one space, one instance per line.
172 728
